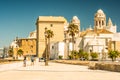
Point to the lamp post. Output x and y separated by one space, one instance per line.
46 54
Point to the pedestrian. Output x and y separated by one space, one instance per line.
32 60
24 62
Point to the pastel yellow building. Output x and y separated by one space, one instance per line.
28 46
56 24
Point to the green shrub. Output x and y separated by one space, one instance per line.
60 57
83 54
113 55
74 54
94 55
70 57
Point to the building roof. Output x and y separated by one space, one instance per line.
93 32
27 38
52 18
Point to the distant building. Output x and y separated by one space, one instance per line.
27 45
1 52
14 45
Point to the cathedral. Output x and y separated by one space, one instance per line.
100 38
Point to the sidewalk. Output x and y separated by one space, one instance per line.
53 67
54 71
10 66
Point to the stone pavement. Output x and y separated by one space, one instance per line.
10 66
55 71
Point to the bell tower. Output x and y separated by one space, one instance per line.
99 20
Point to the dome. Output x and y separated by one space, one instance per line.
75 20
100 11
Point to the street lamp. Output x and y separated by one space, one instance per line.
46 54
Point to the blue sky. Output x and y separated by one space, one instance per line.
18 17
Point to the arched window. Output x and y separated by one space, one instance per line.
102 22
99 22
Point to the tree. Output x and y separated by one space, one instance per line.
72 30
94 55
20 52
10 52
113 55
48 34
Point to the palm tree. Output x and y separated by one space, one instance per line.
20 52
10 51
48 34
72 30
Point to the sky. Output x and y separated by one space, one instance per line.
18 17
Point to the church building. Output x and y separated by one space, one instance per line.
98 38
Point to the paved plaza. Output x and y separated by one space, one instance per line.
55 71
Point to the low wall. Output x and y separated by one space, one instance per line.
109 66
75 62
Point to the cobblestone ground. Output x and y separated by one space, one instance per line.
55 71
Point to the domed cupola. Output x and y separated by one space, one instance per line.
100 20
76 21
100 13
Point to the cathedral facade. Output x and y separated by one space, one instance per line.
98 38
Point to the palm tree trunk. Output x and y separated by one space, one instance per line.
72 42
46 52
48 48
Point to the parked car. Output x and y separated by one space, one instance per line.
41 59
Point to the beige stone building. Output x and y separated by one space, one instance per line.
28 46
115 42
56 24
115 45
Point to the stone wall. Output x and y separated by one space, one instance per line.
109 66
